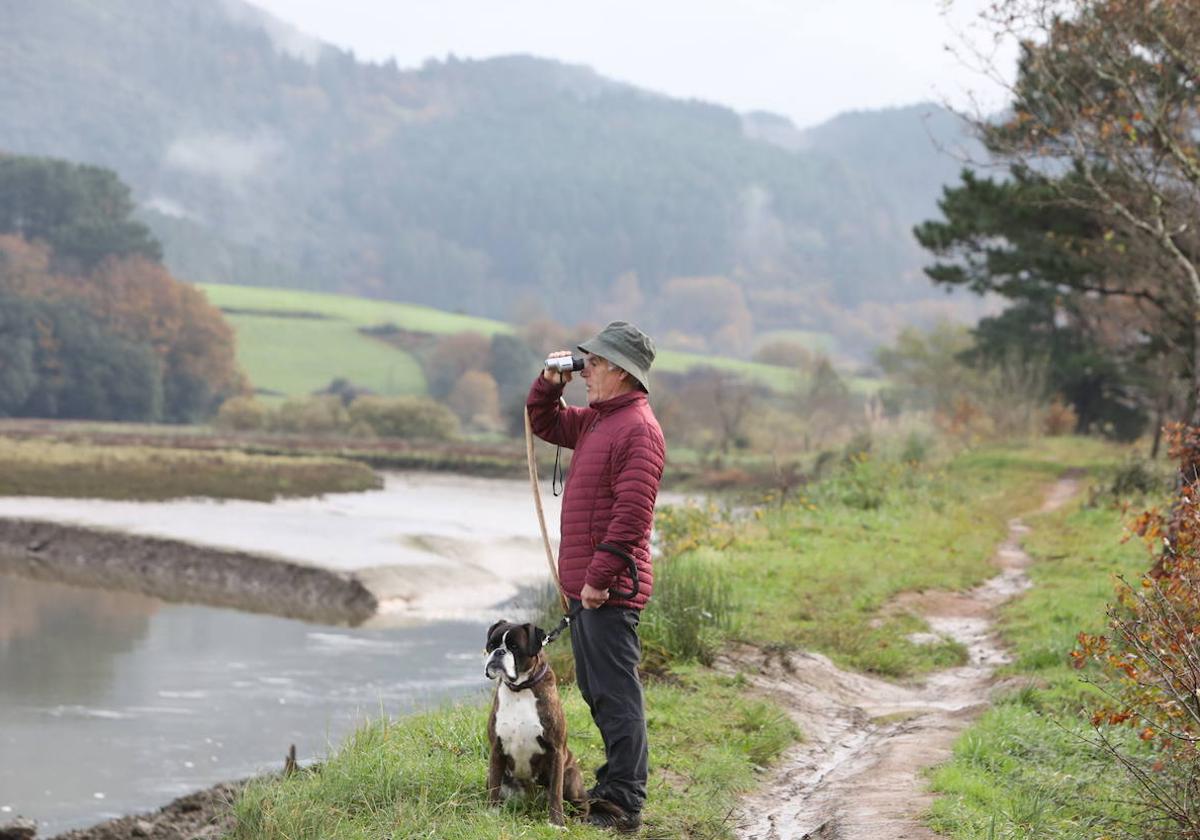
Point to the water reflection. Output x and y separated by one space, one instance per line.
35 618
113 703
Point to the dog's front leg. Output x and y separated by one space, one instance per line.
555 792
495 775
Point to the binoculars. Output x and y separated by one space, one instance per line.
562 364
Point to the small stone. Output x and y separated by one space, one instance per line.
19 829
141 828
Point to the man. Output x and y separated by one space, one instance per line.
608 503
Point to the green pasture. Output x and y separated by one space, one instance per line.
296 356
293 342
821 342
360 312
773 376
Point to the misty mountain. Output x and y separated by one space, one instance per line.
263 157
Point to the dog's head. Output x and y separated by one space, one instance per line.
512 650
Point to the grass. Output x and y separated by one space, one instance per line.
361 312
144 473
815 574
293 342
424 776
773 376
1024 770
297 356
502 458
822 342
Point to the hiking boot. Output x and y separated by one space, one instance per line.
605 814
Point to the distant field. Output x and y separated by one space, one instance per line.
296 356
813 340
295 342
361 312
773 376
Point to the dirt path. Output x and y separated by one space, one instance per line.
857 775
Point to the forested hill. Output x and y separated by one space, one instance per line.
261 157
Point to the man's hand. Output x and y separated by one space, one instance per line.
592 597
553 375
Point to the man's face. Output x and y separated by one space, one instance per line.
603 380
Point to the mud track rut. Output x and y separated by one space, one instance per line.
858 773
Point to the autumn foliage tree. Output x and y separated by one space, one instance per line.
1149 662
107 273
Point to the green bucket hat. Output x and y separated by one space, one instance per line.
625 346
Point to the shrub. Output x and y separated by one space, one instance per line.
311 415
1137 477
680 528
1149 664
242 414
405 417
916 448
476 399
1059 418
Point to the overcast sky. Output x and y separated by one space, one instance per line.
805 59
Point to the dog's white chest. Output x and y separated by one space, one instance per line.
518 728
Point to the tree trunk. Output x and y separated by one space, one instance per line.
1159 419
1193 404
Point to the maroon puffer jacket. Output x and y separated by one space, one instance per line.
611 488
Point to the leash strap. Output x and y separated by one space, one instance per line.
565 621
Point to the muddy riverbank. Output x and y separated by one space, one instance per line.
423 547
178 571
197 816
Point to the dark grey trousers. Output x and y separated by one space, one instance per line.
607 652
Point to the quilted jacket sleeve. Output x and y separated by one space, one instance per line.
637 470
550 420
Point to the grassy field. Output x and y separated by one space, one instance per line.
57 468
820 342
294 342
813 573
296 356
361 312
773 376
1025 770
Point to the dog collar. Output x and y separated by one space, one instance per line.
541 674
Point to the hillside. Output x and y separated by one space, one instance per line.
260 157
292 343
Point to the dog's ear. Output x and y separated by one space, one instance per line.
488 639
535 635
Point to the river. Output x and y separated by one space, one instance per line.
112 703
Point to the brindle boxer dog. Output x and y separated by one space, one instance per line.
527 729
